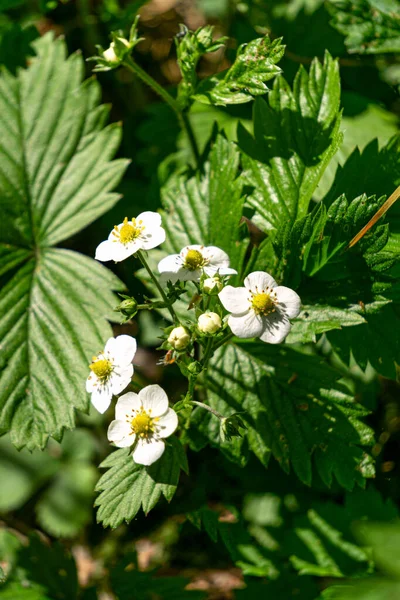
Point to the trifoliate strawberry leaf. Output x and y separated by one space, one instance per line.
296 133
55 180
255 64
370 26
126 487
295 409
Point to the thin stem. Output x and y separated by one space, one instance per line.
134 67
206 407
224 339
156 283
172 103
208 352
192 140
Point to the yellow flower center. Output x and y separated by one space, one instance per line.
142 424
102 368
129 231
263 304
194 260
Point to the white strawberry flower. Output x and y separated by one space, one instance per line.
110 55
143 420
192 261
111 371
143 233
261 308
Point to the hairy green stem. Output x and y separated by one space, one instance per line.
142 259
172 103
206 407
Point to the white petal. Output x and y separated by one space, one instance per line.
101 398
121 434
289 302
217 257
120 379
235 300
211 270
246 326
276 328
123 251
170 264
91 382
259 281
148 451
155 399
167 424
126 405
150 219
152 238
105 251
123 349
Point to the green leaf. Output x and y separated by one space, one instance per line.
295 409
51 567
65 507
376 342
126 487
315 319
255 64
130 583
17 591
15 44
295 135
383 541
190 47
370 26
55 180
245 553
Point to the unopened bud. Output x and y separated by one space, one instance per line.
123 41
209 322
230 426
110 55
212 285
128 307
179 338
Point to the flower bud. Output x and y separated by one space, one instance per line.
179 338
128 307
209 322
229 427
212 285
110 55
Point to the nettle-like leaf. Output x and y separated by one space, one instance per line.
255 64
55 179
296 133
126 487
370 26
295 409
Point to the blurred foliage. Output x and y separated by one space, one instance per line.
266 531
